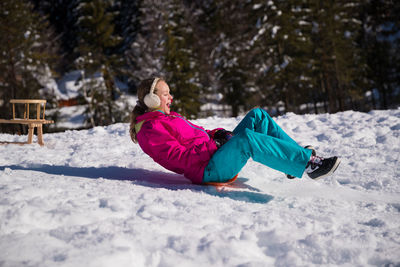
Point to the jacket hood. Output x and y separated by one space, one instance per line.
150 115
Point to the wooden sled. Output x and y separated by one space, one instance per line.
26 120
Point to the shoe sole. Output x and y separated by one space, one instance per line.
335 166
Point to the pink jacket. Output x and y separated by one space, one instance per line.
176 144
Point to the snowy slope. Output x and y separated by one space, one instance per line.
92 198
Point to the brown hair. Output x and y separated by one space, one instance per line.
141 108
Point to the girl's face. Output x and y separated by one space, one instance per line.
165 97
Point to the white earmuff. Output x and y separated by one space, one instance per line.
151 99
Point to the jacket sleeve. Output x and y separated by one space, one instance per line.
163 147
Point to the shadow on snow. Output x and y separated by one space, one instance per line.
155 179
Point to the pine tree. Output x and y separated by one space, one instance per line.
126 22
283 46
230 56
382 45
181 61
338 59
127 26
292 48
62 15
204 17
96 47
26 52
146 54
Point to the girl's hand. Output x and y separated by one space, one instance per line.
221 137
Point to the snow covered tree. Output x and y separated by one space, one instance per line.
237 53
146 54
126 22
165 47
203 17
180 61
62 15
284 44
231 53
96 48
382 44
27 52
339 61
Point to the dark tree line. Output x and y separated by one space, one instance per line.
298 55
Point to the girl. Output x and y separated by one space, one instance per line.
217 155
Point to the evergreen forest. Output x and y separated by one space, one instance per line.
301 56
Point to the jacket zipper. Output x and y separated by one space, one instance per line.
186 122
193 126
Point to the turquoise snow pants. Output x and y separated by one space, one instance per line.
258 137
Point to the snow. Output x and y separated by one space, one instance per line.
69 86
69 117
93 198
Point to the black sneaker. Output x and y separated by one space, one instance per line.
313 153
319 167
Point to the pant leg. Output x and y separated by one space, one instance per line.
282 155
258 120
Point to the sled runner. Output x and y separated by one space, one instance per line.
230 181
230 184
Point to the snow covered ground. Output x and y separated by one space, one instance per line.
93 198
